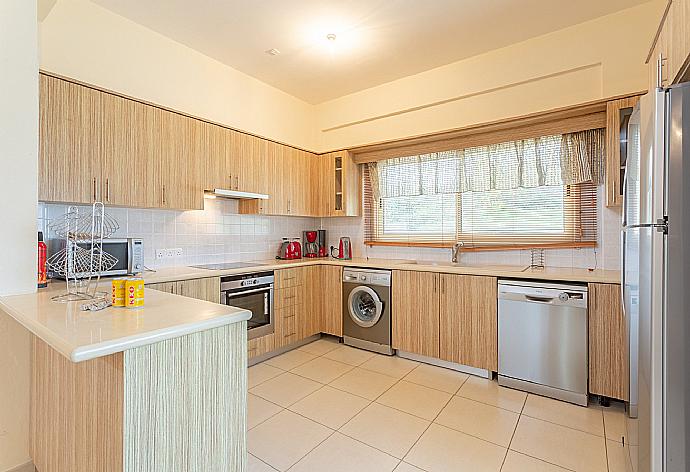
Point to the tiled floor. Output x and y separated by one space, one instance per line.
329 407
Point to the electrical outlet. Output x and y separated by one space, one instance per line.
170 253
160 254
178 252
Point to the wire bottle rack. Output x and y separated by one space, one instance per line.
82 259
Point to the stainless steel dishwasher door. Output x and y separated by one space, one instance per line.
542 339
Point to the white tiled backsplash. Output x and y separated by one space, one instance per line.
216 234
219 234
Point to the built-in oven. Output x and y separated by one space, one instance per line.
253 292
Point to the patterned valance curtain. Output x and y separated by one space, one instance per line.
566 159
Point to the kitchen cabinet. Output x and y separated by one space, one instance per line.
213 146
617 114
312 302
341 184
207 289
416 312
331 300
259 346
69 142
672 45
289 307
608 347
468 310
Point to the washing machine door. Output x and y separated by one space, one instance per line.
365 306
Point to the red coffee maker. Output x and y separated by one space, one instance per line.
311 245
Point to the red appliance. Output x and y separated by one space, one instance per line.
344 249
42 258
321 241
311 246
290 249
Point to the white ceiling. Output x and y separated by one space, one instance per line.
378 40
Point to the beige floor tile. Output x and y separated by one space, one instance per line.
390 365
386 429
437 377
415 399
285 389
489 392
256 465
349 355
589 420
321 346
516 462
441 449
618 457
322 370
330 406
405 467
339 453
364 383
614 422
479 419
259 410
260 373
290 359
284 439
566 447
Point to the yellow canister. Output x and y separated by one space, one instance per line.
119 292
134 288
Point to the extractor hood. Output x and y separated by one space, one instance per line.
223 193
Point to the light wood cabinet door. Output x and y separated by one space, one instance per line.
616 113
259 346
125 152
207 289
332 300
311 324
415 312
212 147
179 164
70 123
469 320
608 347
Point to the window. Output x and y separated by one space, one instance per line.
440 198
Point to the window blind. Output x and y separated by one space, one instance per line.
506 195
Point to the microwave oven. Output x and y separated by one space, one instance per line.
129 253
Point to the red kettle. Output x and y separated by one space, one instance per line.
344 249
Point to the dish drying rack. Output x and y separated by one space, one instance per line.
82 259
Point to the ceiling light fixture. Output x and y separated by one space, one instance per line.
272 52
330 37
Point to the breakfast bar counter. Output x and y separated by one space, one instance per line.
158 388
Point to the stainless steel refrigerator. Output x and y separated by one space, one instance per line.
656 256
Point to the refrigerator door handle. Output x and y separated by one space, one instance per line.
623 273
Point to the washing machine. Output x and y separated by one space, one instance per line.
367 309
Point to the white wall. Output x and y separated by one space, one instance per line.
18 160
597 59
86 42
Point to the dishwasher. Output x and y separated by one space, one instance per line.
542 339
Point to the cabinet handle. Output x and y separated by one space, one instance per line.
94 189
107 190
230 178
289 205
163 194
237 183
288 335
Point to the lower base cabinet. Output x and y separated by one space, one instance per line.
608 346
446 316
207 289
330 295
469 320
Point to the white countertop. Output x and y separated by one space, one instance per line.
170 274
83 335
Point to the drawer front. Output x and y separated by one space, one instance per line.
286 278
259 346
288 296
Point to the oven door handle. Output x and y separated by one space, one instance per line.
246 292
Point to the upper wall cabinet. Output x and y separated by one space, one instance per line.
99 146
341 185
618 113
672 46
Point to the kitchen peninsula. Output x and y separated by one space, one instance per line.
157 389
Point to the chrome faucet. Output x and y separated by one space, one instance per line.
456 251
